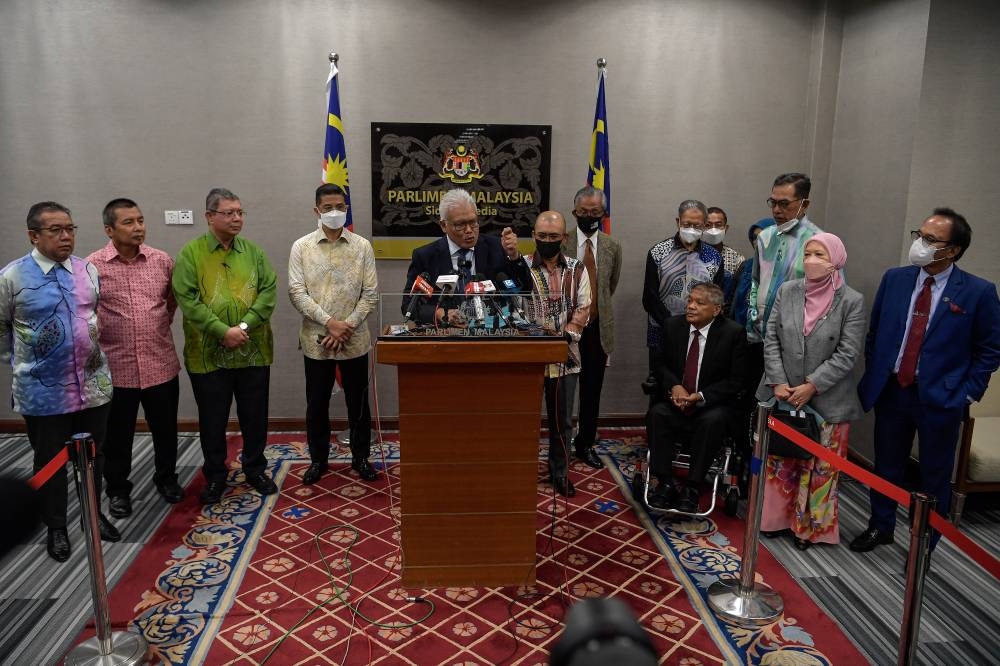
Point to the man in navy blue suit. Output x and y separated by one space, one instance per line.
933 342
463 251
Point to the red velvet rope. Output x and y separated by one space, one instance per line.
877 483
58 461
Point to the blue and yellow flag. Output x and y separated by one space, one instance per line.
599 170
335 152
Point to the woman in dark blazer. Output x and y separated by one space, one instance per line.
815 338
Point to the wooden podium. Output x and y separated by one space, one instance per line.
469 426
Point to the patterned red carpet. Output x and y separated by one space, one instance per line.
248 582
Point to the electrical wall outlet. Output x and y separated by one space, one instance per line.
178 216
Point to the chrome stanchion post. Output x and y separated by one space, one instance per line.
744 602
107 647
921 507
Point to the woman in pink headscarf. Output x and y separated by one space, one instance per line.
814 340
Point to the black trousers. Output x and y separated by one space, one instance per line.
49 434
559 409
704 428
320 378
159 404
214 392
593 362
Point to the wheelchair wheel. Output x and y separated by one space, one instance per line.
638 487
732 502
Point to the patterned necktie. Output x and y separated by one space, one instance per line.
690 381
464 269
591 266
918 326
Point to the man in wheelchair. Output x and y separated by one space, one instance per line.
696 396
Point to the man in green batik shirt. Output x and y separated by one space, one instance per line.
226 289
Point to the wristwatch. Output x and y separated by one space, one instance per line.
244 326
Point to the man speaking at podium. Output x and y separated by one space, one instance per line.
462 251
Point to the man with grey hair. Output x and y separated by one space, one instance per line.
700 369
675 264
60 382
602 256
463 251
226 288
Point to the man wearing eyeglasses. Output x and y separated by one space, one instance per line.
61 384
933 343
673 266
135 313
779 248
601 255
226 289
333 285
462 251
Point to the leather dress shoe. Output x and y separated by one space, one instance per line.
774 534
120 506
314 473
212 494
170 491
564 487
802 544
869 539
108 531
688 502
664 496
364 470
589 458
57 544
263 484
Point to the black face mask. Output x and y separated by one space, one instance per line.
547 249
587 224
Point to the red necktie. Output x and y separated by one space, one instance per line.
691 365
918 326
591 266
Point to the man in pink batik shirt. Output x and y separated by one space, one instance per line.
134 315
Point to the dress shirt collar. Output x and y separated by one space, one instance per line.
215 244
110 252
939 279
319 236
703 330
581 242
453 248
47 264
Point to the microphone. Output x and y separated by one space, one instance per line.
476 287
447 283
17 525
420 289
511 289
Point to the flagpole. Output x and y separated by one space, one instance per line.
602 63
334 58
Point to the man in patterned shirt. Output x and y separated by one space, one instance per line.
715 235
332 283
675 264
60 381
560 303
226 288
135 312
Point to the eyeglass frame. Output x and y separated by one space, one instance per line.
915 234
463 226
58 231
228 214
782 203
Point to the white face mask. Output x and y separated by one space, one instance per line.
334 219
922 254
787 226
689 236
713 236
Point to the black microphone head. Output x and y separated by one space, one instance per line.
17 525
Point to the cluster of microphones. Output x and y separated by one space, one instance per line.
483 304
